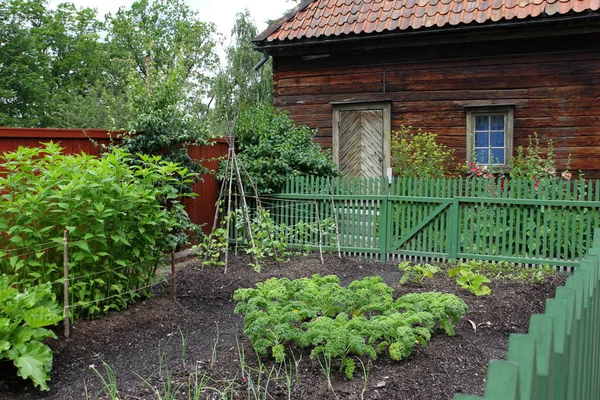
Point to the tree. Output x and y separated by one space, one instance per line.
51 60
90 86
24 64
160 37
65 68
238 85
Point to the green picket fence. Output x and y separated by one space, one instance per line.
559 359
522 221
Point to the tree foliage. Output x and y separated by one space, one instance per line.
159 39
272 148
63 67
238 85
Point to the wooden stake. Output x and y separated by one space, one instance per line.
173 277
320 232
259 207
230 154
66 282
335 216
244 204
229 160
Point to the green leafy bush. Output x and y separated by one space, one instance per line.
416 273
272 148
419 155
468 278
339 322
118 224
23 316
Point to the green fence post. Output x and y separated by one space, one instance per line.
522 351
594 257
502 381
453 238
568 295
574 392
385 222
596 242
541 328
558 310
585 273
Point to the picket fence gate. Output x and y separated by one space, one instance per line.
519 221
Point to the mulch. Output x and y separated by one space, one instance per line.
142 341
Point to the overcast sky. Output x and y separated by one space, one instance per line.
221 12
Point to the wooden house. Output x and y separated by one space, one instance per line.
483 75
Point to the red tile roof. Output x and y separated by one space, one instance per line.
318 18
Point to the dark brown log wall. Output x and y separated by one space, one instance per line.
553 83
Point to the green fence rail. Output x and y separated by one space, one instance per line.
559 359
522 221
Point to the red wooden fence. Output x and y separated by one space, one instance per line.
201 209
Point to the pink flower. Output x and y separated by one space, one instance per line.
566 175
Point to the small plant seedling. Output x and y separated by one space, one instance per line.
472 281
212 247
416 273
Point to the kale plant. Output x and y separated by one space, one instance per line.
338 322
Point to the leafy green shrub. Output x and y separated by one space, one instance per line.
419 155
272 148
118 225
339 322
533 162
468 279
416 273
23 316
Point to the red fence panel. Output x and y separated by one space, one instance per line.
201 209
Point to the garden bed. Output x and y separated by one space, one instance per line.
131 341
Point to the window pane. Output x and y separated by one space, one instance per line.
482 139
497 122
497 139
483 156
497 156
482 123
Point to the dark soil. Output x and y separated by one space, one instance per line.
131 341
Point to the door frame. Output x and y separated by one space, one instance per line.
386 109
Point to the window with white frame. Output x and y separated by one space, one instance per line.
490 135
